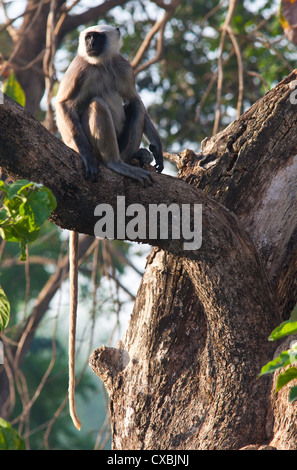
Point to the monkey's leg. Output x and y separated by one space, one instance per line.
138 123
130 139
69 125
73 271
98 126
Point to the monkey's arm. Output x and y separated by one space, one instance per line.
73 135
70 102
137 123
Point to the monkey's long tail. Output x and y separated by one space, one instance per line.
73 269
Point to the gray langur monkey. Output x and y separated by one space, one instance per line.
98 110
100 115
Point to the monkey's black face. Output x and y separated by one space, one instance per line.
95 43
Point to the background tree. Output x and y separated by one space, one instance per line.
212 61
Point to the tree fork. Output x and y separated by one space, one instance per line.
197 338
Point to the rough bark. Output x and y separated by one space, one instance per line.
197 339
185 374
191 355
30 42
251 169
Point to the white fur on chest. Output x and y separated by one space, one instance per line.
100 82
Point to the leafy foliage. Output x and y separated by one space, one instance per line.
9 438
284 329
13 89
285 359
4 310
25 207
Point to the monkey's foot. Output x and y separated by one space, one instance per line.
138 174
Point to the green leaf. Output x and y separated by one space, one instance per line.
26 207
293 394
286 328
3 186
4 310
285 377
14 188
13 89
3 216
9 438
280 361
42 203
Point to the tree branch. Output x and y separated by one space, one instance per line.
28 150
159 26
73 21
251 168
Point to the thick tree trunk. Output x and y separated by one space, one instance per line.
185 374
191 355
198 333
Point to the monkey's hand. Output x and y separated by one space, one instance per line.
157 152
91 167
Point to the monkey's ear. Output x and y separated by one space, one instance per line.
118 29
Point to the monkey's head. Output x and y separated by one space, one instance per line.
97 43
